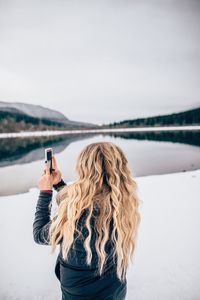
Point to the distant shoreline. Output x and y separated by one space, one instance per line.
75 131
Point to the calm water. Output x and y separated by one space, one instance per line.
148 153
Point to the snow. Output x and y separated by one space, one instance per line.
76 131
39 111
36 111
166 262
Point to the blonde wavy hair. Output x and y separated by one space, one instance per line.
105 182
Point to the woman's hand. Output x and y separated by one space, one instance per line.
47 180
56 173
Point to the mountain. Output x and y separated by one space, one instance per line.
17 116
189 117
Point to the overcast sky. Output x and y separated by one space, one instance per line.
101 61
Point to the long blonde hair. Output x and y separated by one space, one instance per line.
105 182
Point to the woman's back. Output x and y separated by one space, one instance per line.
77 253
80 281
95 224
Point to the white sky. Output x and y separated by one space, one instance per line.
101 61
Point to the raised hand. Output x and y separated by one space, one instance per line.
56 174
47 180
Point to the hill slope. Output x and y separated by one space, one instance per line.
189 117
17 116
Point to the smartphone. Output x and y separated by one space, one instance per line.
48 158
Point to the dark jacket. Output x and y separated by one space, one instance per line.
77 279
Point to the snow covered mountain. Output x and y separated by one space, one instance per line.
40 112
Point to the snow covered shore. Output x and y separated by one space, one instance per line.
166 262
60 132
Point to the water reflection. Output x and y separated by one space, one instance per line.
183 137
22 159
25 150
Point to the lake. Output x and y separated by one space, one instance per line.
148 153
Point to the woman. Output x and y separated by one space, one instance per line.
95 223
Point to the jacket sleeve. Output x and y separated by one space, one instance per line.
42 220
59 185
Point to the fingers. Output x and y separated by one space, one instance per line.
54 167
47 171
54 163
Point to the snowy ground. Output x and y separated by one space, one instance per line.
166 263
131 129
